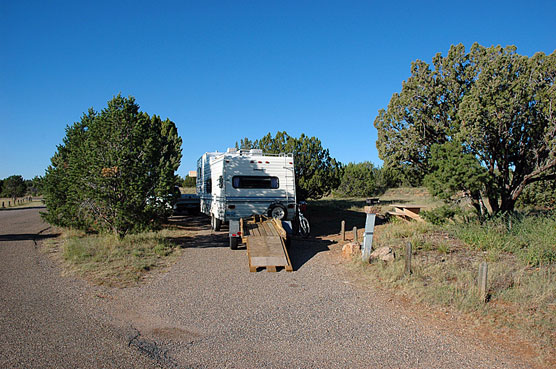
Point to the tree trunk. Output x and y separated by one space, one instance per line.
508 204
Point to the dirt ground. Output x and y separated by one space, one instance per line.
208 311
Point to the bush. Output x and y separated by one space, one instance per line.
358 180
539 195
441 214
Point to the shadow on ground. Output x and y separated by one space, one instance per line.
201 235
303 250
26 237
23 208
325 218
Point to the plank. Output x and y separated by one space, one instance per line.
265 246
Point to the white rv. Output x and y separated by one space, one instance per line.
238 183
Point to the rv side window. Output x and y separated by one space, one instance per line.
258 182
208 186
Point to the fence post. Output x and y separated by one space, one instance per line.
343 230
483 273
2 203
408 254
355 234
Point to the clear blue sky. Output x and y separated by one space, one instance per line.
223 70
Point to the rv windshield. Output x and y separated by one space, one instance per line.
258 182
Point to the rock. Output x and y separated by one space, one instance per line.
349 249
384 253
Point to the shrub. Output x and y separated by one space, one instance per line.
441 214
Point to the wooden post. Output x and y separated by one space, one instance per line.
343 230
483 272
355 234
2 203
9 204
408 253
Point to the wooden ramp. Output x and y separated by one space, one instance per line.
266 248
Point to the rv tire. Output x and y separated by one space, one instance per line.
277 211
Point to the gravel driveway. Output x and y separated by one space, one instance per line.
208 311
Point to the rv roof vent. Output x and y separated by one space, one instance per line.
231 150
256 152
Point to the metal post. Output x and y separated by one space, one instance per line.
368 237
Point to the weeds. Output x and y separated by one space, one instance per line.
108 260
520 251
532 238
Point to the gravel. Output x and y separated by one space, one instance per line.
47 320
209 311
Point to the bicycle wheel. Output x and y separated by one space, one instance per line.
304 227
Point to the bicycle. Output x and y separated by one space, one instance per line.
303 226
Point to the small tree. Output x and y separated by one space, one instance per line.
14 186
189 181
34 186
454 173
358 180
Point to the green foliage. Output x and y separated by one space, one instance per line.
114 171
440 215
454 171
529 237
455 174
539 195
316 173
13 186
358 180
245 144
497 103
34 186
189 181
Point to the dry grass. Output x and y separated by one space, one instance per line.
521 291
23 202
188 190
108 260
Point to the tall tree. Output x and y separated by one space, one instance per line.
115 169
498 104
508 120
316 172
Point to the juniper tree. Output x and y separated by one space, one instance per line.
497 103
316 172
114 171
13 186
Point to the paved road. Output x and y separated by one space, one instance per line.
49 321
208 311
